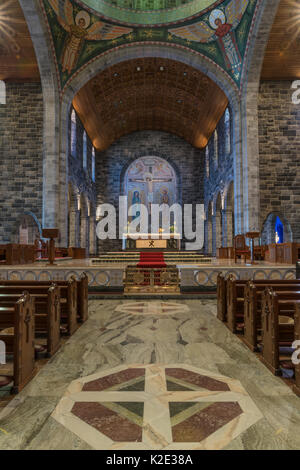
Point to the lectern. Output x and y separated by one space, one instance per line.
51 233
252 236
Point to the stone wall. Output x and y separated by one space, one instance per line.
111 166
21 156
82 220
279 150
219 230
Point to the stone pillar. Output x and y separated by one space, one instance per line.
217 233
227 223
72 227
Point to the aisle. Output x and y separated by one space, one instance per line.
159 375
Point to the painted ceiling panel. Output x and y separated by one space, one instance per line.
80 35
150 93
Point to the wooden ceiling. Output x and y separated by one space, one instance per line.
17 56
282 58
150 94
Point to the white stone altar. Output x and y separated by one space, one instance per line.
142 241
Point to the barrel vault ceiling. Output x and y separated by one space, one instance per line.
147 93
156 94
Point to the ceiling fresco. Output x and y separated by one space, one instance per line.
149 11
80 35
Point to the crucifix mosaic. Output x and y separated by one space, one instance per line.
156 407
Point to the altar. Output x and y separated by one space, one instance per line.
148 241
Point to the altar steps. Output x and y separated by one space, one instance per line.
171 257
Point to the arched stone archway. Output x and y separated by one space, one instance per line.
249 122
228 215
133 52
268 231
243 107
84 223
73 217
208 229
217 224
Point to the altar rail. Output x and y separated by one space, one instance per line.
151 280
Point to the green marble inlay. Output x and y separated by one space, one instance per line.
177 407
176 387
136 408
135 387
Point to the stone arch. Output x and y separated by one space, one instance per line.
73 217
84 222
228 214
197 61
52 164
160 155
217 223
268 229
208 229
27 229
249 177
92 235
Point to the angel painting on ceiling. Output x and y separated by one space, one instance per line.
222 29
79 30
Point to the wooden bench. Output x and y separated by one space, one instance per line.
296 386
68 298
20 343
81 288
252 308
235 296
276 333
47 315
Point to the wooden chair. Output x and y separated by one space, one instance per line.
240 247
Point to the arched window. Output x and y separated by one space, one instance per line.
84 150
216 148
227 131
73 133
93 164
207 161
2 92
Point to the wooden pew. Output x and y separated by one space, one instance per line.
81 288
252 308
47 315
221 298
296 387
68 297
20 344
235 295
275 333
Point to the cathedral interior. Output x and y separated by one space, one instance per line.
149 225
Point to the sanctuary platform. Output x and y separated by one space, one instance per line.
107 272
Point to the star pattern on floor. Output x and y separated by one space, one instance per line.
156 407
152 308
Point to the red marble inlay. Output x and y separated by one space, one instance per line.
113 379
201 381
205 422
108 422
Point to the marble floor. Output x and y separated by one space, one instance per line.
152 375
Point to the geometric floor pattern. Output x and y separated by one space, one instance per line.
152 308
156 407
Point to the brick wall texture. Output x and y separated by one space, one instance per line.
279 150
21 156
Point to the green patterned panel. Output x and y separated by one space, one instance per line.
79 36
149 11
